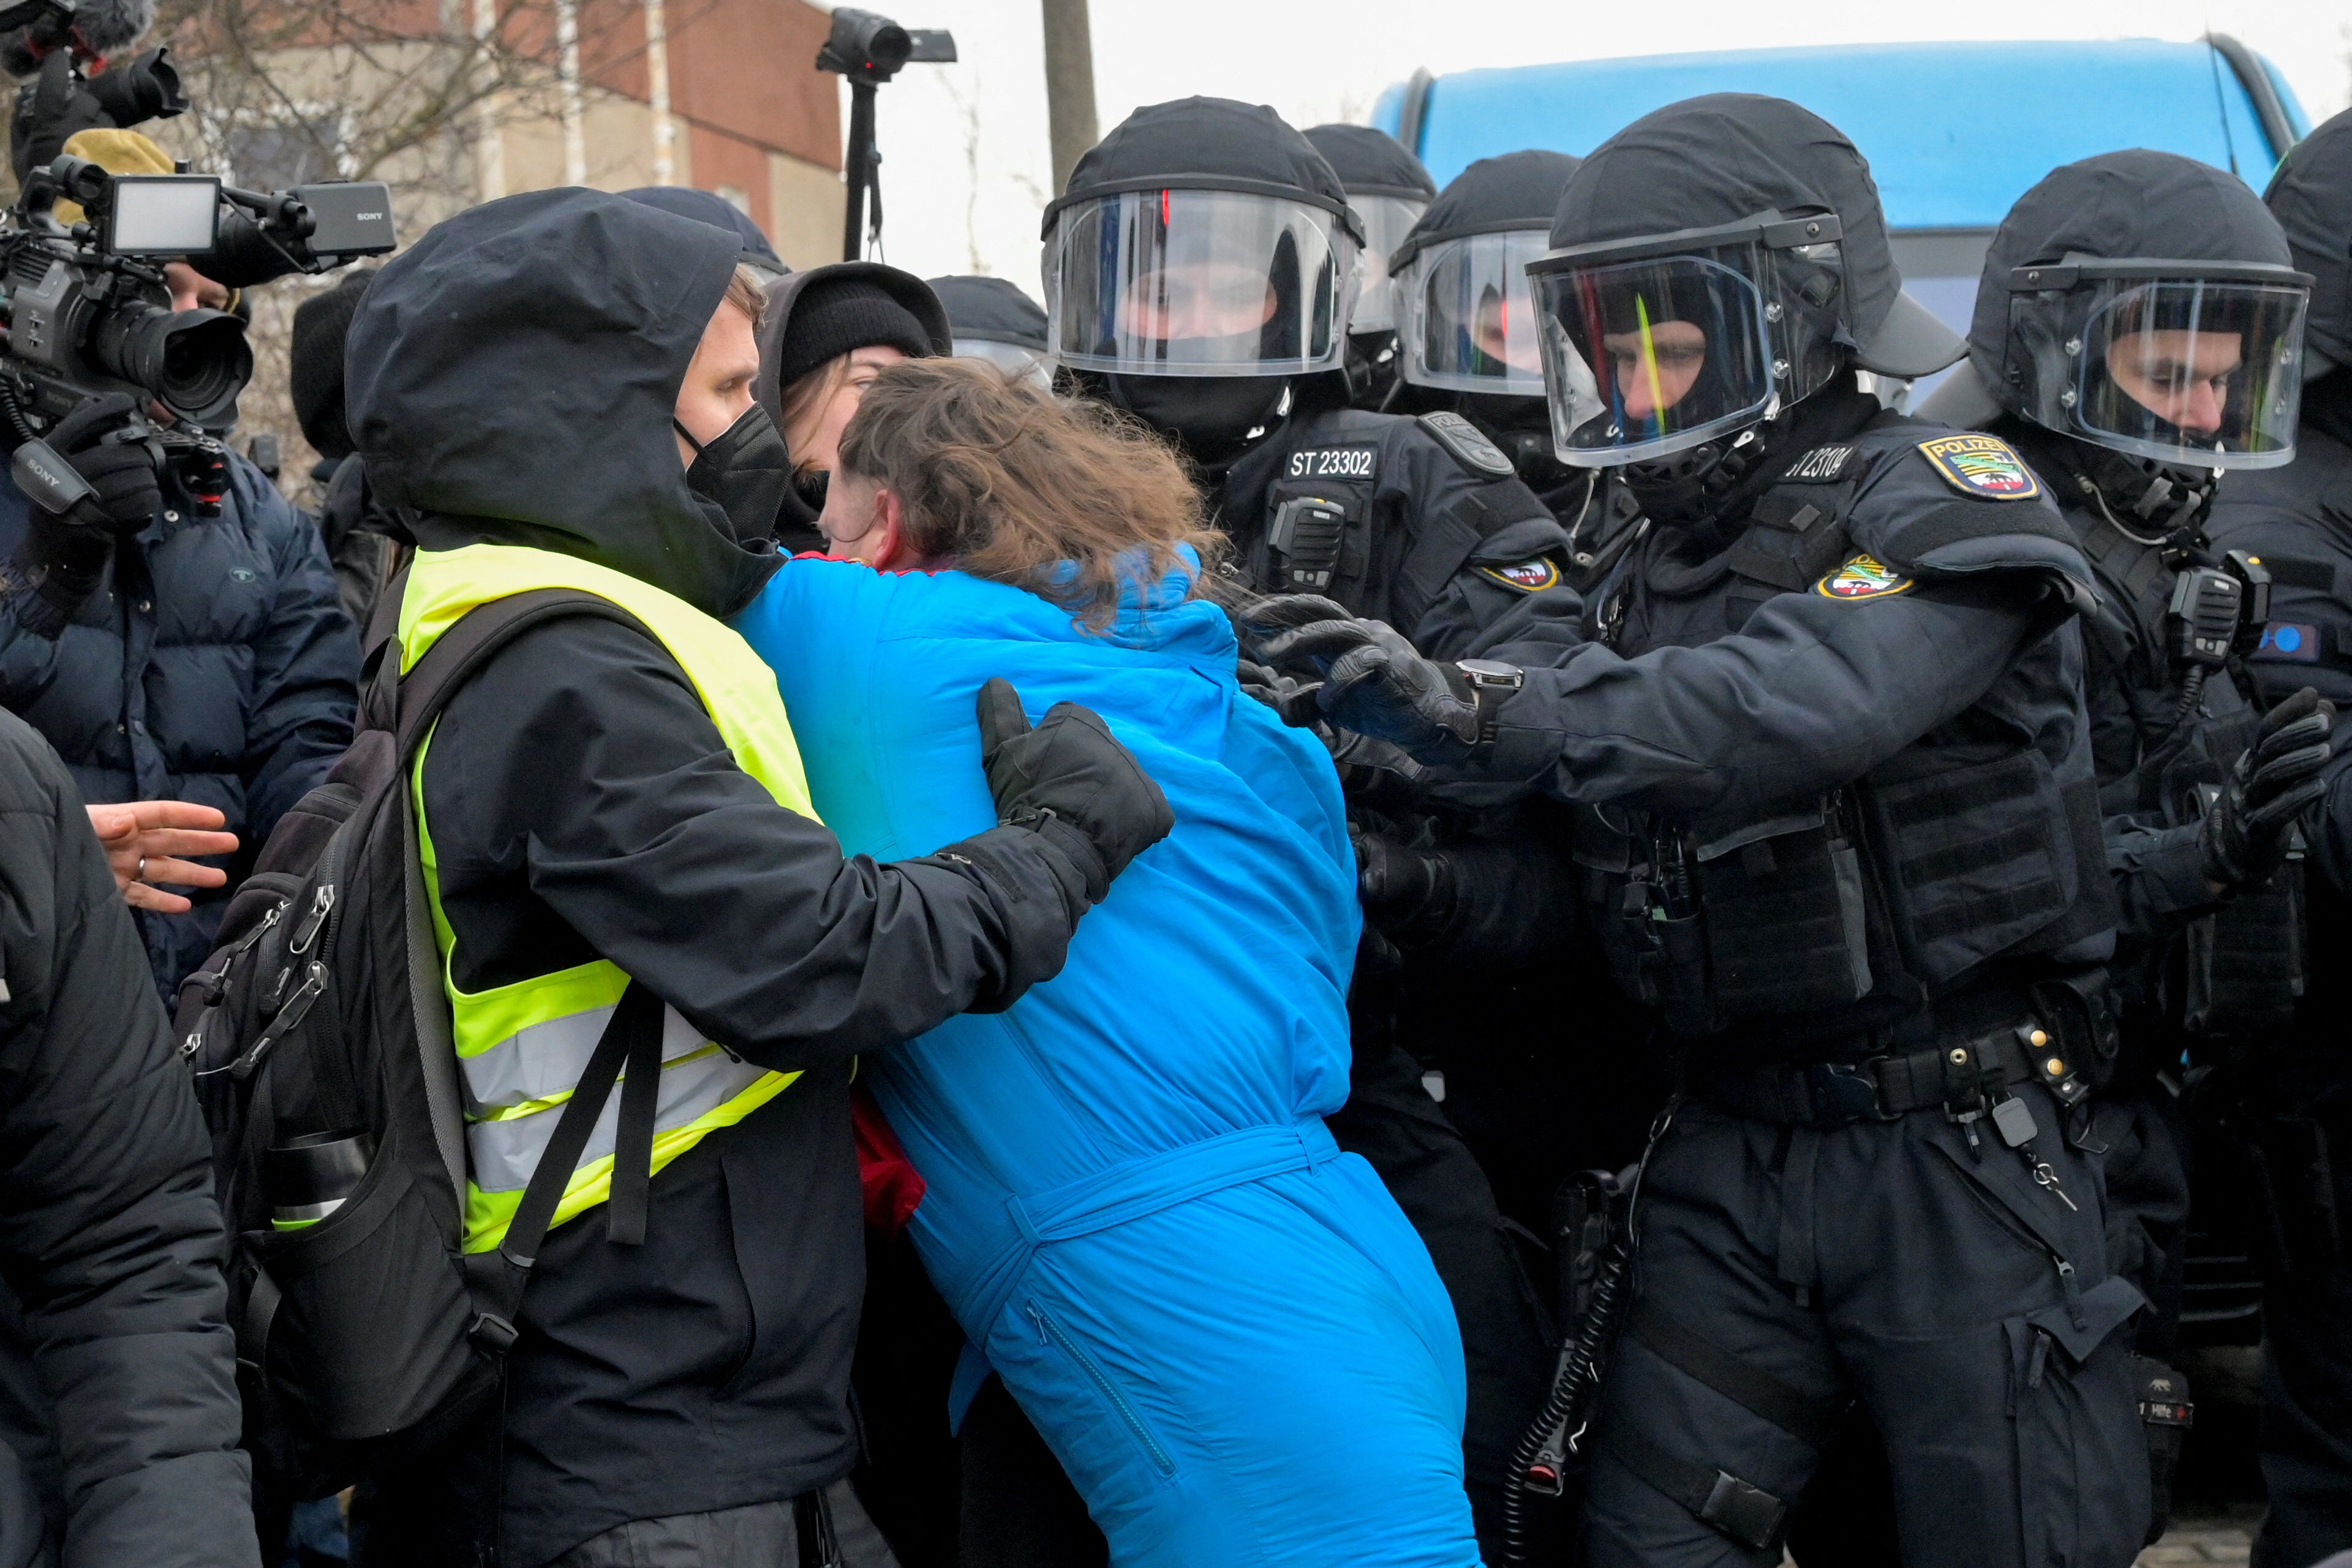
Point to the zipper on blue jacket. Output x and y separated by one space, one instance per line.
1049 1330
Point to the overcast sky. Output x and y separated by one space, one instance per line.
965 166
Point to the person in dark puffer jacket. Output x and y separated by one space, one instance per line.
208 661
118 1392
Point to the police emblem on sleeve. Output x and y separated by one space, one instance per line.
1863 577
1985 466
1528 577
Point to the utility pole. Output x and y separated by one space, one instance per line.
1069 85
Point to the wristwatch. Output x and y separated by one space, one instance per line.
1492 682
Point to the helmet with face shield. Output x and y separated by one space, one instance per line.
1389 190
1201 239
2146 303
1713 265
993 319
1465 319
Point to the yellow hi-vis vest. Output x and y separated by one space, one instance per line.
522 1048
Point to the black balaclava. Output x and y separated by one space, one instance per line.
512 376
1724 159
1202 143
2114 206
2310 196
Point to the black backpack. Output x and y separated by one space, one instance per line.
368 1333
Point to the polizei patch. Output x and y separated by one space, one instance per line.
1529 576
1985 466
1863 577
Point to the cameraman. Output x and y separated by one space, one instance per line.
165 654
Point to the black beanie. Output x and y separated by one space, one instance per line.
832 319
316 356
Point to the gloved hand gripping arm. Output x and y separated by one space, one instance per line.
1071 788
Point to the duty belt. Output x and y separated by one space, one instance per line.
1888 1088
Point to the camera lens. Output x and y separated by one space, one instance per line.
195 361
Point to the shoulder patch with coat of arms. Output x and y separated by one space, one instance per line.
1529 576
1985 468
1863 577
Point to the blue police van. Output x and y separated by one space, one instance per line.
1954 132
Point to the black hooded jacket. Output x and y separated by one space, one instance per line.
512 378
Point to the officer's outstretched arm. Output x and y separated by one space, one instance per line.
1814 691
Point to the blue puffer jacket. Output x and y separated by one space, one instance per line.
1134 1208
214 664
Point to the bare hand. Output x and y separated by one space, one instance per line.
144 840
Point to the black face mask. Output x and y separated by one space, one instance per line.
744 472
1212 415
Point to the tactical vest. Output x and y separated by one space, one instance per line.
2243 965
1836 913
523 1047
1322 532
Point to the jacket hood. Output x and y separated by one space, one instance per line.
1517 190
1206 145
992 310
785 294
2310 196
1371 163
512 378
2119 204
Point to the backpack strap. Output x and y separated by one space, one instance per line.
631 1036
462 650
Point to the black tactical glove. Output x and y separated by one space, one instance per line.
1377 683
1397 880
1072 784
63 553
1292 699
2243 835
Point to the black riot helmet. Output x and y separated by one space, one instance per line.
995 320
1203 256
2311 197
1465 316
2146 303
1714 263
1201 239
1389 190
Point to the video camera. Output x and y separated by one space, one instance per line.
867 48
87 309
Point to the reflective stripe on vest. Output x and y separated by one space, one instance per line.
523 1047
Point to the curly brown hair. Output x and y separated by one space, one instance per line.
1069 500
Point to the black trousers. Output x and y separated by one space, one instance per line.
1888 1263
1390 1121
2304 1134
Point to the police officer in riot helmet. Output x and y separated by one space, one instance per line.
2136 339
1388 188
1833 770
1198 273
993 319
2293 1087
1469 338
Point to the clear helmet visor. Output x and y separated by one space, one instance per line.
2203 371
1030 364
1645 358
1386 220
1470 321
1170 282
